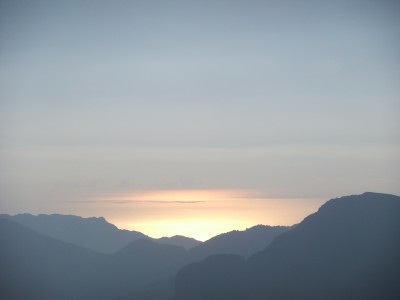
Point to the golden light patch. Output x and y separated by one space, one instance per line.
202 214
200 229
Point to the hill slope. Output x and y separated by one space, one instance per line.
235 242
349 249
244 243
93 233
179 240
34 266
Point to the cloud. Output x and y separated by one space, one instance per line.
118 201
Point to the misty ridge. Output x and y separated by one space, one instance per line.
66 251
348 249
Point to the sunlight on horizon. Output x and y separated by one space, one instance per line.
202 214
201 230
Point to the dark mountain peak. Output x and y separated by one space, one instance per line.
255 229
99 220
357 199
348 249
45 267
258 226
354 205
49 268
22 234
177 236
375 194
94 232
244 243
58 218
76 218
367 216
179 240
264 228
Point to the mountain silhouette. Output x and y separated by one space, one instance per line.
92 233
97 234
349 249
34 266
244 243
145 261
172 258
179 240
48 268
216 277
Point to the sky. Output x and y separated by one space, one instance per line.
196 117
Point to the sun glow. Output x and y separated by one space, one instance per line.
201 214
199 229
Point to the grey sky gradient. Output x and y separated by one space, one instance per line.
288 98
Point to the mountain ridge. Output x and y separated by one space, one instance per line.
179 240
94 233
136 269
348 249
240 242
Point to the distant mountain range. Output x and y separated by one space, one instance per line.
34 266
93 233
243 243
52 259
179 240
349 249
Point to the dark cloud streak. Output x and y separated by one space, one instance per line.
115 201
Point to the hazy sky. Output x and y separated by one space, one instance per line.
227 103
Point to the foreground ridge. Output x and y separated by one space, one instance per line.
348 249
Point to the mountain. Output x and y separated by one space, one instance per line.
179 240
244 243
97 234
216 277
349 249
92 233
37 266
34 266
146 261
